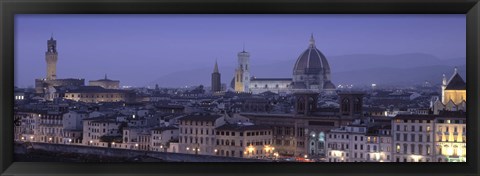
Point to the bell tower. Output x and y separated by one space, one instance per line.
242 73
51 57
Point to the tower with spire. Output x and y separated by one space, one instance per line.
216 84
242 72
51 57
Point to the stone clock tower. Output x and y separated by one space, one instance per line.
51 57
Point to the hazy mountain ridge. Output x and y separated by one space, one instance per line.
401 69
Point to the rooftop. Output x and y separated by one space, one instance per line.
205 118
241 127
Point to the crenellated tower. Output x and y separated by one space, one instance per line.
51 56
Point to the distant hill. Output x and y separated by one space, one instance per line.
396 76
402 69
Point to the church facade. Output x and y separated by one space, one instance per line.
310 72
454 94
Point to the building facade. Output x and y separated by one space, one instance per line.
413 137
454 94
244 140
197 133
105 83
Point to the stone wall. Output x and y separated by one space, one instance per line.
174 157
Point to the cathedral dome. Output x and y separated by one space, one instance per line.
311 61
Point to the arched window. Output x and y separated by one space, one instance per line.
345 105
357 105
321 137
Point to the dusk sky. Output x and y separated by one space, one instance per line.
137 49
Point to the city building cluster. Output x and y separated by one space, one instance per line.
303 118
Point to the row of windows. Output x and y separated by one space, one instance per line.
92 96
197 140
191 131
413 128
412 137
447 129
287 131
160 132
451 121
266 86
414 149
196 123
412 121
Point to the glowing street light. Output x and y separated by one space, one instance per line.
215 150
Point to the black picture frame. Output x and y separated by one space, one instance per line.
8 9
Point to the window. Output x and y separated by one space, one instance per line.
412 137
413 128
412 148
420 128
405 148
405 137
397 136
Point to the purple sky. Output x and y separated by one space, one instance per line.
137 49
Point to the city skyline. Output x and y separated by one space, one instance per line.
151 40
